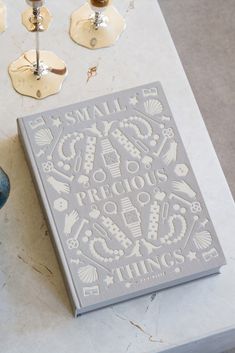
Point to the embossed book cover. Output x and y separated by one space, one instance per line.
125 211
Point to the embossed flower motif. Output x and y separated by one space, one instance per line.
168 133
60 204
181 170
47 167
72 243
196 207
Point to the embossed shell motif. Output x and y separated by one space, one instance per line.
153 107
43 137
202 240
88 274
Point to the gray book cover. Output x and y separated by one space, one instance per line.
124 208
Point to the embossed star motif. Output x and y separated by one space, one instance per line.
177 270
108 280
128 285
133 100
203 224
40 153
192 256
56 122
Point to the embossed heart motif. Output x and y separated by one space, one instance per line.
83 179
160 195
147 160
94 213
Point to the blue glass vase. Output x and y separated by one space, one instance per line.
4 187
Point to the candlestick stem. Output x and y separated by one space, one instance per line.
36 14
98 19
37 53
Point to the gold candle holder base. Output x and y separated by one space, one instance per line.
92 32
3 16
38 83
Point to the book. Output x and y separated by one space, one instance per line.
122 203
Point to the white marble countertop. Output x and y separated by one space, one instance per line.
35 313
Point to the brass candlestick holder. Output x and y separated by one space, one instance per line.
96 24
37 73
3 15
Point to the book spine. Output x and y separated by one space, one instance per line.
76 306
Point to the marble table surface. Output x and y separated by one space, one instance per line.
35 313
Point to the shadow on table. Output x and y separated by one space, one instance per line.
26 251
